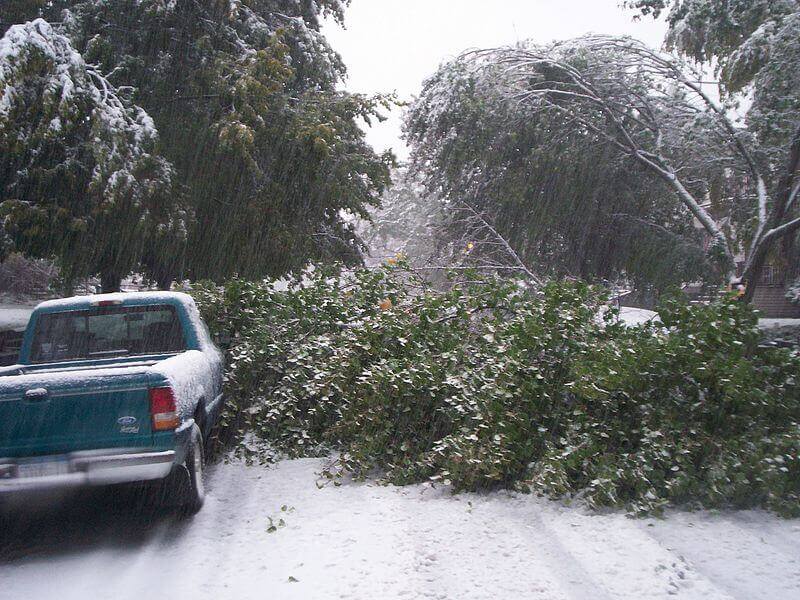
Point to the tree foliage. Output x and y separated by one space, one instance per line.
741 35
753 47
81 176
566 201
644 117
243 94
486 385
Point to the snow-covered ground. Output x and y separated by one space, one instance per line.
14 316
636 316
373 542
769 323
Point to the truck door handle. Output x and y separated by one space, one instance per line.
36 395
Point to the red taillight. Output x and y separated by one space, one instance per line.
163 409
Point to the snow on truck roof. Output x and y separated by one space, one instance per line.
120 298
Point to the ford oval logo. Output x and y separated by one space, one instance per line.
126 421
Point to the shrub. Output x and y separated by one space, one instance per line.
22 277
489 385
696 414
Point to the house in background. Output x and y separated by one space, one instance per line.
770 297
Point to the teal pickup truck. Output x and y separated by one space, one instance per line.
111 388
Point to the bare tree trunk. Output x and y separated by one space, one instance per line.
165 282
110 282
752 277
67 287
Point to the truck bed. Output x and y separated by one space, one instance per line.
61 408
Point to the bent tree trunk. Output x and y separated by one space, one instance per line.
786 193
752 276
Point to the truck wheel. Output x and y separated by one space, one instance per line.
190 490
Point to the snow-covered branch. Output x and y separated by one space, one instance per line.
611 97
498 238
782 230
792 196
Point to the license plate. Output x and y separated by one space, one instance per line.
43 469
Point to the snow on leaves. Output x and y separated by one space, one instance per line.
484 386
74 150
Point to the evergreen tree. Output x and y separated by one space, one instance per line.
80 177
243 95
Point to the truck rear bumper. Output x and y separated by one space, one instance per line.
96 467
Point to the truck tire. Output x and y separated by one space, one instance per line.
187 485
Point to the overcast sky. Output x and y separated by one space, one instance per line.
393 45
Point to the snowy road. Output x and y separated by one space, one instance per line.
368 541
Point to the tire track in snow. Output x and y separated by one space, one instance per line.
737 553
463 547
784 537
81 545
624 561
206 554
580 583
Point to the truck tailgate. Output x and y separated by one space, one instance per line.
55 413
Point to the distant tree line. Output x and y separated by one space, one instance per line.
180 138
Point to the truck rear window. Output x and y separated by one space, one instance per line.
107 332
